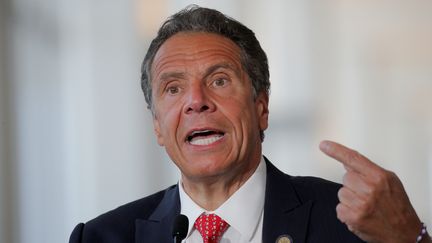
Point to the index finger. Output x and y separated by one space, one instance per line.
351 159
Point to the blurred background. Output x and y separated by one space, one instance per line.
76 139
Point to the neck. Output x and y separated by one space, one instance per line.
211 193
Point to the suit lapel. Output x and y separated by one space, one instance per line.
284 213
158 227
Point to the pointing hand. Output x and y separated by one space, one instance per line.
373 202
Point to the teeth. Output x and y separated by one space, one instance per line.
205 140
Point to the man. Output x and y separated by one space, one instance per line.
206 81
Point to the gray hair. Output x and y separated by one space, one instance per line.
197 19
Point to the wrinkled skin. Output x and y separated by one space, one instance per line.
199 83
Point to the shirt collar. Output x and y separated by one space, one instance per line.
242 211
189 208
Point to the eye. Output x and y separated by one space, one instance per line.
172 90
220 82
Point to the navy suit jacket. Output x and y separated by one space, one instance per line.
303 208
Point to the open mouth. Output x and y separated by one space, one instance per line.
204 137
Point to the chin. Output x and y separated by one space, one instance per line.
205 168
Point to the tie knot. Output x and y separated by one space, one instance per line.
211 227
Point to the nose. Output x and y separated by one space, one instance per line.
198 100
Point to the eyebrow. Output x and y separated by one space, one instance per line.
223 65
169 75
164 77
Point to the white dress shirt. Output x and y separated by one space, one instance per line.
243 211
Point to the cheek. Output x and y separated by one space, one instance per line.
251 122
169 123
242 118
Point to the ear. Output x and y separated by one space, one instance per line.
261 105
157 131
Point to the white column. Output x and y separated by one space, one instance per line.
5 229
111 156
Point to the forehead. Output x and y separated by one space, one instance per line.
195 48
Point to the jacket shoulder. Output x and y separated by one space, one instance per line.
141 208
118 225
305 188
314 188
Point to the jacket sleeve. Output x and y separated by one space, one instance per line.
76 235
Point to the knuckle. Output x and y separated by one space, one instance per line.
357 218
354 155
383 181
348 177
373 190
373 194
392 177
383 176
365 209
351 228
380 178
340 213
342 193
345 178
354 216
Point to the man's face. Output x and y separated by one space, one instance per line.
205 113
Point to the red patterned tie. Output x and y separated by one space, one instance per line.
211 227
